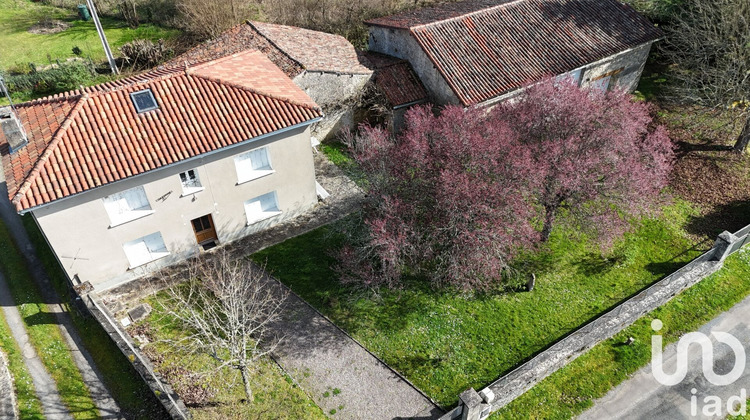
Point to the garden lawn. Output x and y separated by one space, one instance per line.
572 389
21 47
444 342
29 406
125 384
220 393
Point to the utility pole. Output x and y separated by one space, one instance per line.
102 37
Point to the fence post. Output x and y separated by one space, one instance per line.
472 404
723 246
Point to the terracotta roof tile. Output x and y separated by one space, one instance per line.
292 49
82 140
396 79
486 48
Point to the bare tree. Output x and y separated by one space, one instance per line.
709 41
226 306
209 18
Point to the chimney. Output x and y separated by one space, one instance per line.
13 129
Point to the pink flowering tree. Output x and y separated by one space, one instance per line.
455 196
595 155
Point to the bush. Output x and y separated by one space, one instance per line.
60 77
143 54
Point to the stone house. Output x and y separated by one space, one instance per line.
479 52
325 66
132 175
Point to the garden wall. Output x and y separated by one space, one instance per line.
475 405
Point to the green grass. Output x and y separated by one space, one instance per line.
572 389
125 384
275 394
21 47
445 342
29 406
44 334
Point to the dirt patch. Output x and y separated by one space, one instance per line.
49 26
707 172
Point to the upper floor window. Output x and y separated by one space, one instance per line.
127 205
253 164
146 249
191 183
144 100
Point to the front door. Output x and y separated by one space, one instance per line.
204 229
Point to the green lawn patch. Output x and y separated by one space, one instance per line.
445 342
573 389
29 406
21 47
125 384
43 331
219 394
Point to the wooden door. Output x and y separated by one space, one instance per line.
204 229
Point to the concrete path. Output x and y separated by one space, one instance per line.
7 396
642 397
46 389
337 372
108 408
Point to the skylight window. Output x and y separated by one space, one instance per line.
144 100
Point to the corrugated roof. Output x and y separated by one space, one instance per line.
291 48
84 139
396 79
486 48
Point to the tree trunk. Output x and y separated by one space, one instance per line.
246 382
549 219
744 139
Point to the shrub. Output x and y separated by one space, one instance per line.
60 77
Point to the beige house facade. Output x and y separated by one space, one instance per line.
97 243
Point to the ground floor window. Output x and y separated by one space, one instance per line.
262 207
146 249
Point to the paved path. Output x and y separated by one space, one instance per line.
7 396
322 358
108 408
46 389
642 397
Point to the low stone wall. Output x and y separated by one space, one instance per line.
172 403
475 405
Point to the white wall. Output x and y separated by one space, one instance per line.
80 226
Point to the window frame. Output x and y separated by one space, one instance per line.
140 110
120 217
244 174
186 190
264 214
129 248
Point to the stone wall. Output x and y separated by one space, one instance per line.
478 405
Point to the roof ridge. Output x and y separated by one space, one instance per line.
281 50
51 146
463 16
255 91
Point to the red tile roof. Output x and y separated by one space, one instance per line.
486 48
292 49
84 139
396 79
